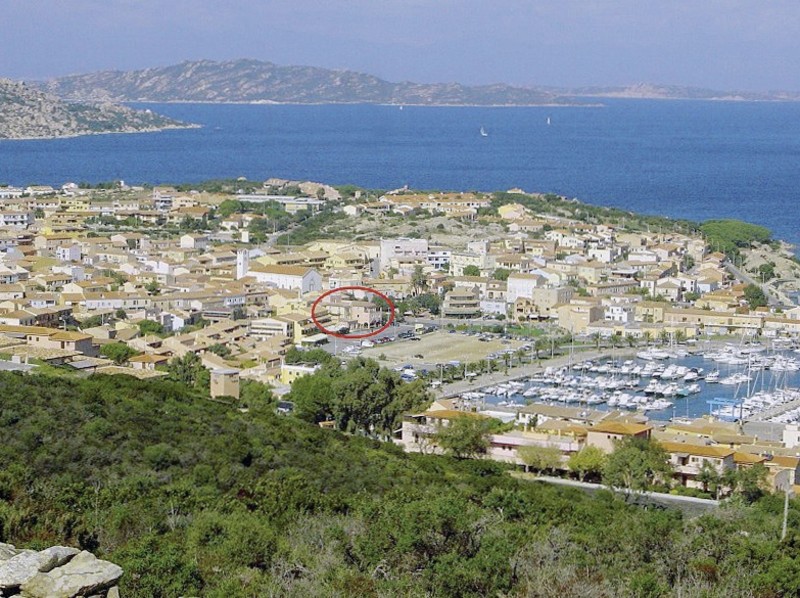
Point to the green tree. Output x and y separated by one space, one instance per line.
189 370
709 477
729 236
259 229
541 458
220 349
637 464
465 436
121 314
750 482
253 394
92 321
501 274
150 327
153 287
766 271
230 206
539 344
313 398
429 302
595 338
418 279
589 462
472 270
119 353
755 296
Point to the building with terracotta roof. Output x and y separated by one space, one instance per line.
689 461
605 434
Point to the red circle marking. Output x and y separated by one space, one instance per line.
392 310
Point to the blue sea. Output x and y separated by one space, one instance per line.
684 159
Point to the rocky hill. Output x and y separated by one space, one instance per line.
26 112
257 81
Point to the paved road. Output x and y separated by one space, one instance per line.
688 504
774 297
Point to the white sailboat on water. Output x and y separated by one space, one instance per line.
484 133
548 121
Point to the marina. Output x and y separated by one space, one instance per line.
736 383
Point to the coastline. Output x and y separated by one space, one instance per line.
92 133
395 105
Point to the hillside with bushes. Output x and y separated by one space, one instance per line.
198 498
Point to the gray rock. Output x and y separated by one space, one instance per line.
113 592
7 551
57 556
26 564
83 574
21 567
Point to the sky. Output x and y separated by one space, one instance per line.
751 45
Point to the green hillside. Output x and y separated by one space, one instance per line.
197 498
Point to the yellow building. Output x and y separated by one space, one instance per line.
291 372
605 434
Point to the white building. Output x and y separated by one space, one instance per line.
439 258
522 285
298 278
242 263
10 192
407 248
71 253
194 241
14 219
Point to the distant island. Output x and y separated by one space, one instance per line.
255 81
677 92
28 113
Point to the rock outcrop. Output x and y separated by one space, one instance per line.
56 572
27 113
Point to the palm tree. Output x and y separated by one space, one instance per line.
709 477
595 336
538 345
631 339
418 279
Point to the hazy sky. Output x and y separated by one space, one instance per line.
723 44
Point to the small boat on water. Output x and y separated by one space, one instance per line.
484 133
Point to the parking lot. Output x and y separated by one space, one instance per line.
439 347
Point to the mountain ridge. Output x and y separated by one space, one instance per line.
255 81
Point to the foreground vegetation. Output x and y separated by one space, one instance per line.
193 497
